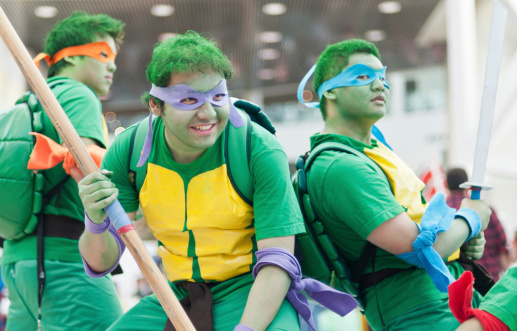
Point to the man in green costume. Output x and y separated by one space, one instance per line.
368 195
80 51
208 234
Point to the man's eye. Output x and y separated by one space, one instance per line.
188 101
104 55
363 77
218 97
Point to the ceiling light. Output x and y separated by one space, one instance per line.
270 37
119 130
274 8
162 10
166 35
268 54
115 124
110 117
389 7
375 35
266 74
45 11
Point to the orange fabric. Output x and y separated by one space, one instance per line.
94 50
47 154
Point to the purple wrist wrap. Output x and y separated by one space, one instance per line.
242 327
338 302
94 227
121 247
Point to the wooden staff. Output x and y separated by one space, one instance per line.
67 132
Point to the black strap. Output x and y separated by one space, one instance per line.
60 226
40 265
368 253
131 172
484 281
197 305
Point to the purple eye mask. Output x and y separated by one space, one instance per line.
174 94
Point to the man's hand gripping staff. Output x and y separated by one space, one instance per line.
117 215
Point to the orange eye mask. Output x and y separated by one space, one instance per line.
99 50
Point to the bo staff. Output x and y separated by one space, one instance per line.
115 211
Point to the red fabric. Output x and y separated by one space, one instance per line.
47 154
460 297
125 229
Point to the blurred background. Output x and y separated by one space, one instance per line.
435 51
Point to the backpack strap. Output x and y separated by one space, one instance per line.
238 157
136 144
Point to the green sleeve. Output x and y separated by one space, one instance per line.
83 108
116 160
352 192
501 300
275 207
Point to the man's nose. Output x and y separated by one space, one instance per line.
378 85
206 111
112 66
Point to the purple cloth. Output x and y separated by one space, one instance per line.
242 327
146 150
94 227
173 95
234 117
121 248
339 302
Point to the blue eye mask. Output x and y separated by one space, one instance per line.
349 77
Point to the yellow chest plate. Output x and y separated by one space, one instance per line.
406 186
205 229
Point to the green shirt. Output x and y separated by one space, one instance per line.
192 209
352 200
501 300
83 108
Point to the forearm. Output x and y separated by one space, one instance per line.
100 251
266 295
449 241
472 324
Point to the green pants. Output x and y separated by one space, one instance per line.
71 299
148 315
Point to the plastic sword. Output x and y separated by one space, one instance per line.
493 65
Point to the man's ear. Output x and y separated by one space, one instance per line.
71 60
330 95
154 108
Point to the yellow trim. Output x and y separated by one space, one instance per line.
406 186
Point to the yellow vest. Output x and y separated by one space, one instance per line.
208 228
406 186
